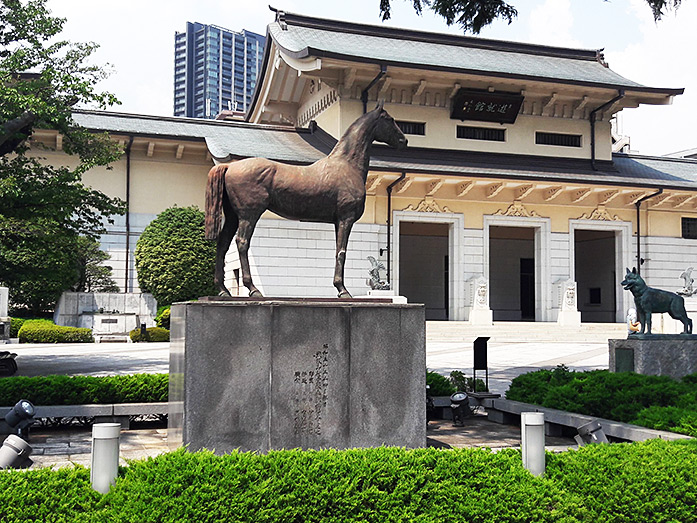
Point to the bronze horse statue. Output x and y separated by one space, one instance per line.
331 190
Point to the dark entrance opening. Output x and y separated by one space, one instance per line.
527 289
424 266
512 273
594 262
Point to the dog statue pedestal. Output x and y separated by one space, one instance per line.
673 355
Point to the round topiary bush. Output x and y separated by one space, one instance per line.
173 259
152 334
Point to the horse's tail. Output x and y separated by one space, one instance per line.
215 190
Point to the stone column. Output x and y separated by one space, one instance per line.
4 318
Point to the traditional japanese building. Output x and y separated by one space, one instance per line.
509 203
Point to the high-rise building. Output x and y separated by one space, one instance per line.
215 69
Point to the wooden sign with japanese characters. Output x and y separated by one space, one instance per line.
485 106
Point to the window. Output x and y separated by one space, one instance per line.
594 296
689 228
481 133
417 128
559 139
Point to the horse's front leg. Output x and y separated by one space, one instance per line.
244 237
343 229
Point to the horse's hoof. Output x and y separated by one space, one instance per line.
256 294
345 294
224 294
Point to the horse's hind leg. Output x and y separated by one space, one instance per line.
224 241
343 229
244 237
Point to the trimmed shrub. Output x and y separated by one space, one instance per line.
162 318
78 390
439 385
656 402
462 383
174 260
151 334
44 331
649 481
15 325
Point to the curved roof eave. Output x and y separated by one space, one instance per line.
308 52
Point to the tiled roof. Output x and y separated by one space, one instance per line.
302 36
228 140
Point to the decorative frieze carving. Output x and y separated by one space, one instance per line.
308 113
523 191
493 189
428 204
463 188
600 213
433 186
517 209
580 194
552 192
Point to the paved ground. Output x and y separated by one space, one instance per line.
506 360
92 359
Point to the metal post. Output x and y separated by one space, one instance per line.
532 436
105 455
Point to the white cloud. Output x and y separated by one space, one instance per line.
552 23
665 57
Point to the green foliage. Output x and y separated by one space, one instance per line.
651 401
151 334
651 481
439 385
44 331
79 390
473 15
462 383
15 325
45 208
92 275
173 259
162 318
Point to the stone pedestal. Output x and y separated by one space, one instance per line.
655 354
257 375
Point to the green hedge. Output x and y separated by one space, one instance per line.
162 318
152 334
656 402
652 481
78 390
44 331
439 385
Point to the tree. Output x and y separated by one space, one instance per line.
473 15
92 275
44 208
174 260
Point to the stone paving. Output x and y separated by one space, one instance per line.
66 447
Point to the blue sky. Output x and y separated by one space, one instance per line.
137 39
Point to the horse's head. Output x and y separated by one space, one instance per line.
387 130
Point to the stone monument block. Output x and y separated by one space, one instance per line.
673 355
260 374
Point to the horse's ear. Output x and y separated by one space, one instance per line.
380 105
628 271
634 270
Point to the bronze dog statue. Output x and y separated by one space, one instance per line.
649 300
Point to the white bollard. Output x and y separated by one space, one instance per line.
532 436
105 455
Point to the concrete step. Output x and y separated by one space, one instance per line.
524 332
